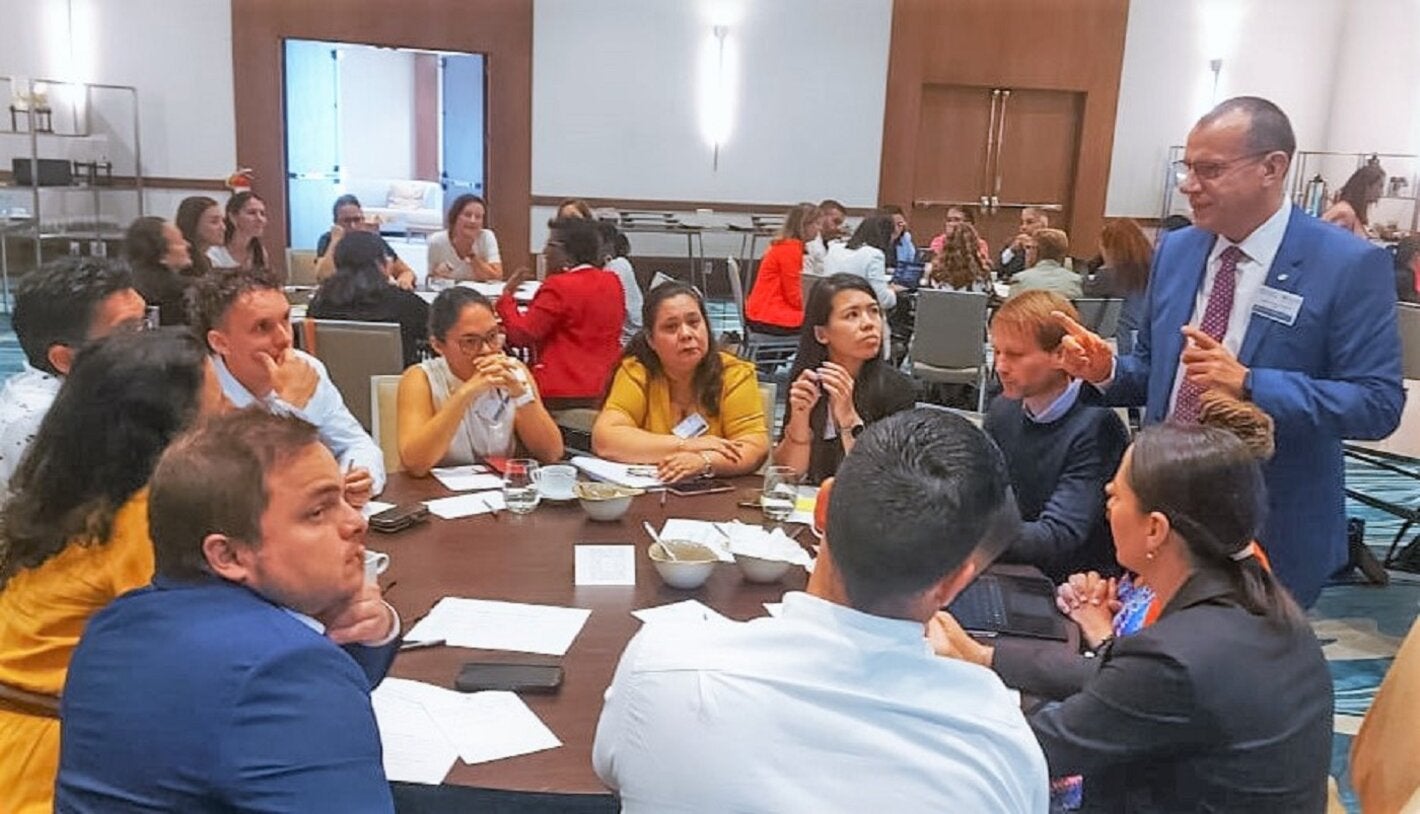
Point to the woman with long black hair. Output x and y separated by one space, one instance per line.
361 289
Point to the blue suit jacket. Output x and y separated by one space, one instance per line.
201 697
1333 374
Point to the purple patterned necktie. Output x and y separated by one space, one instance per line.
1215 323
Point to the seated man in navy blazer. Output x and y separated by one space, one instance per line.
240 679
1264 302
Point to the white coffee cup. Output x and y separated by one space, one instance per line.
375 564
557 482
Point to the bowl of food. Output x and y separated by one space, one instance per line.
605 502
760 569
682 563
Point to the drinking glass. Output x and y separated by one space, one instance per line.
780 492
520 485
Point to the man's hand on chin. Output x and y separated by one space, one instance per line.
364 619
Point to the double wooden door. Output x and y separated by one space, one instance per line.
998 150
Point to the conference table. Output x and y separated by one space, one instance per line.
529 558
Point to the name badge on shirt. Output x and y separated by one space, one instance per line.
1277 305
693 426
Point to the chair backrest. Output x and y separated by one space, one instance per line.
384 418
807 282
1100 314
1408 315
352 353
951 329
737 289
300 267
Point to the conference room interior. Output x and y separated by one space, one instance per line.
694 126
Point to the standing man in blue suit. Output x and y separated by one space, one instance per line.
1264 302
240 679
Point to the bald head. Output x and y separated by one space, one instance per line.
1266 128
1235 166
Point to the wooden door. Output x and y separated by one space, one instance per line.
1008 147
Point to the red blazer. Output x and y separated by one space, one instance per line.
574 322
777 298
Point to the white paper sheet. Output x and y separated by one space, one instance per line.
415 749
468 478
493 625
374 507
452 508
604 565
614 473
481 726
494 289
689 610
774 608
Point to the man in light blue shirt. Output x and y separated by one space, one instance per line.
839 704
245 319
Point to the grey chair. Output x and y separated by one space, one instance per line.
1100 314
1408 315
949 342
769 353
352 353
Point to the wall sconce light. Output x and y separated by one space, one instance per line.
718 67
1216 66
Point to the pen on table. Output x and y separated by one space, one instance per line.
663 496
421 645
491 508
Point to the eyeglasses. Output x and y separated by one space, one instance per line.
1210 170
473 343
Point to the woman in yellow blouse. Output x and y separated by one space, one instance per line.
679 403
75 530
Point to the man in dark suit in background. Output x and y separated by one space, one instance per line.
240 679
1266 303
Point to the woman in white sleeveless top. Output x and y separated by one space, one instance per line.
471 402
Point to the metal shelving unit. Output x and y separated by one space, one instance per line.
89 212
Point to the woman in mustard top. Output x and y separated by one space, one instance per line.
679 403
75 530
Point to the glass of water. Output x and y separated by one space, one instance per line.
780 492
520 485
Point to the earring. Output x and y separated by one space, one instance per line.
1149 555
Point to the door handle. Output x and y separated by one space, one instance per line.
990 150
1000 148
1044 207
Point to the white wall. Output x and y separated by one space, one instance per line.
1285 50
615 113
1377 96
177 52
376 113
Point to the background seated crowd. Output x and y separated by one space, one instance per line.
181 535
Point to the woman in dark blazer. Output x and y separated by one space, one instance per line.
1225 702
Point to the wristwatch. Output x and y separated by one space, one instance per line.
857 430
709 470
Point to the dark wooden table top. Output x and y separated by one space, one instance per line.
529 558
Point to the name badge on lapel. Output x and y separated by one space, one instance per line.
693 426
1277 305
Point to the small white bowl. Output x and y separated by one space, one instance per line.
693 564
605 502
758 569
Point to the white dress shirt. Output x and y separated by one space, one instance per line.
24 401
866 262
339 430
1259 248
823 709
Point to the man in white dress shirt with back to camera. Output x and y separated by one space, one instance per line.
245 319
839 704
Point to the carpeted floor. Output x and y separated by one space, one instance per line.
1359 626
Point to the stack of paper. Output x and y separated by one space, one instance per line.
774 545
451 508
690 610
620 474
466 478
424 728
491 625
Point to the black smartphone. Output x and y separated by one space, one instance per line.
699 486
482 675
399 518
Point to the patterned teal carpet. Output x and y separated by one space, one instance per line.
1359 626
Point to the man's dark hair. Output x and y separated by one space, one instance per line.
212 480
1269 129
209 299
922 492
580 239
343 200
829 203
55 305
144 244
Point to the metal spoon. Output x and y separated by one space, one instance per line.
657 538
